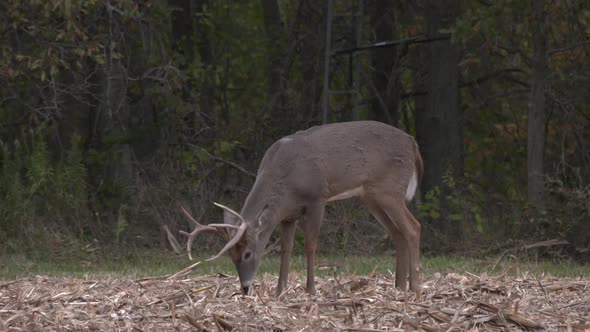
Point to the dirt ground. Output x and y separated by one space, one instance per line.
182 302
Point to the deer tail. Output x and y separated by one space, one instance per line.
416 174
419 163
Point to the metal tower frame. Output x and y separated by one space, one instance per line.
328 53
353 53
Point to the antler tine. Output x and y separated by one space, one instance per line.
232 242
230 211
241 230
188 215
192 235
224 226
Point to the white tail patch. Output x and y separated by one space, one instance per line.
411 190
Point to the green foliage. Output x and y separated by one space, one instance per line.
497 37
225 148
193 88
70 188
11 195
122 225
454 203
26 180
566 218
40 171
33 190
430 206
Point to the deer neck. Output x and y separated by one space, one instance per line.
262 210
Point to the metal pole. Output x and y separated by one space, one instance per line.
357 63
327 54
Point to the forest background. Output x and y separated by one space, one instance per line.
113 113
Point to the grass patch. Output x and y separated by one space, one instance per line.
157 263
133 265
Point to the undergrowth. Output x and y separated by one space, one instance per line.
157 264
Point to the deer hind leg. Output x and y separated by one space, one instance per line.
311 222
401 247
409 231
287 235
401 260
414 249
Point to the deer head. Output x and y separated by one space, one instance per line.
242 245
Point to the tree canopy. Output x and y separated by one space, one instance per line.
113 113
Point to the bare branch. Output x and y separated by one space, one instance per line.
228 162
172 240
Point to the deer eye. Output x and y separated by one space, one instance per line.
247 255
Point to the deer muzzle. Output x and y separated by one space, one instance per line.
247 273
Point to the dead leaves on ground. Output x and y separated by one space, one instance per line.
451 302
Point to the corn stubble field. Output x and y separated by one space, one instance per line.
188 302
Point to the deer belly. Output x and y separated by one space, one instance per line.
347 194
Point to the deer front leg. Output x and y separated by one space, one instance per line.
312 220
287 235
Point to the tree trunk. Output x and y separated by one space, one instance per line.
536 111
192 38
386 82
109 135
440 128
440 125
310 23
273 28
182 26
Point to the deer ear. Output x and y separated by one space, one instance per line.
262 216
259 221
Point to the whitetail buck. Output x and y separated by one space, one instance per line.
300 173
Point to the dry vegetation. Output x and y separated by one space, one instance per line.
344 303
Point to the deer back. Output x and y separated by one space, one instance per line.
329 160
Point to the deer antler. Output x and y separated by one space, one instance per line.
241 230
199 228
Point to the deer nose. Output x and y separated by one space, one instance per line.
245 290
